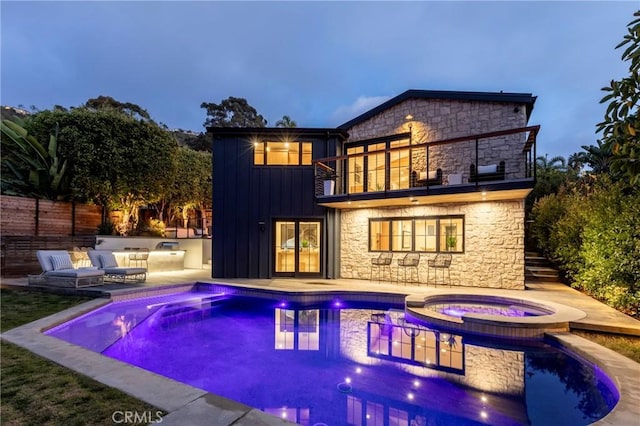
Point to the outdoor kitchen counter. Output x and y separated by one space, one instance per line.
158 260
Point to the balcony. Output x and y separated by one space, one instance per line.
395 171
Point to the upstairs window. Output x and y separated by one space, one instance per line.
282 153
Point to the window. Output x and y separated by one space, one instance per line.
356 167
379 232
421 234
399 165
376 167
402 235
385 165
282 153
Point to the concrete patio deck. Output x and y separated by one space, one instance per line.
188 405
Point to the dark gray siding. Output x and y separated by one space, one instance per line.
244 196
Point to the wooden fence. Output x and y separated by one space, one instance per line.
29 224
30 216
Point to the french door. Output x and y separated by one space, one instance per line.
297 247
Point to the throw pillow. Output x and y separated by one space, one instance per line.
108 261
491 168
60 261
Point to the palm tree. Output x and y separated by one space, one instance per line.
598 157
544 163
286 121
576 161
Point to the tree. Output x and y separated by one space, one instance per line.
598 157
116 161
286 121
621 126
551 173
30 168
544 163
193 188
232 112
127 108
575 162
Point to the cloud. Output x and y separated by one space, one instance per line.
344 113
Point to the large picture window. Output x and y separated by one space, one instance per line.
282 153
432 234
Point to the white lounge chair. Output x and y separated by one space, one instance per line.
57 269
106 261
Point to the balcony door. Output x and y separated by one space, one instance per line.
297 247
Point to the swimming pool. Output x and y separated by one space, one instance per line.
335 361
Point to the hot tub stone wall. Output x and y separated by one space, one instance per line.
494 243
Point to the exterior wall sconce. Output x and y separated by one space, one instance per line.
409 118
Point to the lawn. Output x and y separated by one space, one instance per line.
628 346
39 392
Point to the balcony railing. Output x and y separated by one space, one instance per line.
464 162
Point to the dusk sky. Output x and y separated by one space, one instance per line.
321 63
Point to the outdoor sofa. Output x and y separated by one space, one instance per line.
106 261
58 270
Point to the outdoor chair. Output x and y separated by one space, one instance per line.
106 261
139 258
426 179
58 270
381 263
411 261
486 173
441 262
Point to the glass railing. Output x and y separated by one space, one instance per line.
480 159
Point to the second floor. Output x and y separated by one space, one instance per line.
419 147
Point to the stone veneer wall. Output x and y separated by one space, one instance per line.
494 243
435 119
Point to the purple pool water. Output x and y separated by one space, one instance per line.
506 310
340 363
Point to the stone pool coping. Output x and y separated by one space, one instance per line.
186 404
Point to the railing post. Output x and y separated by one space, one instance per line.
476 163
427 169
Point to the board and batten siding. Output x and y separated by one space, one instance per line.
248 198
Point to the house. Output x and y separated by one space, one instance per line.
426 172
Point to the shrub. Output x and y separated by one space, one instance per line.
611 248
546 211
106 228
591 233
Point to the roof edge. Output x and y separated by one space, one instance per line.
506 97
293 131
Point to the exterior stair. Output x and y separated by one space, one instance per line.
538 268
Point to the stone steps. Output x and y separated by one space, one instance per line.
538 268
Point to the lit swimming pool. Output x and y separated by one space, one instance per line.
337 362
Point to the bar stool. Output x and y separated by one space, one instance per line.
139 257
442 262
410 260
381 263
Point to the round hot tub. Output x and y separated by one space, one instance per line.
490 315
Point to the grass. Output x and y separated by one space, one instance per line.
36 391
628 346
